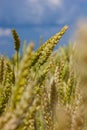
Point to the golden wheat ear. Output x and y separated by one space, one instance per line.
43 53
6 82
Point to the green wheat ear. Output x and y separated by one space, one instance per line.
22 77
1 69
16 45
16 40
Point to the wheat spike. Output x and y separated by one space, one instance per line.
7 84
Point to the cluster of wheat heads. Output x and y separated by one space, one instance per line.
40 90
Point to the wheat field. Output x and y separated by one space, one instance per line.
45 89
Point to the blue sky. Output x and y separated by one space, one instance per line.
35 18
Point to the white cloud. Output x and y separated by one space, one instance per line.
41 10
51 3
43 6
5 32
54 3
